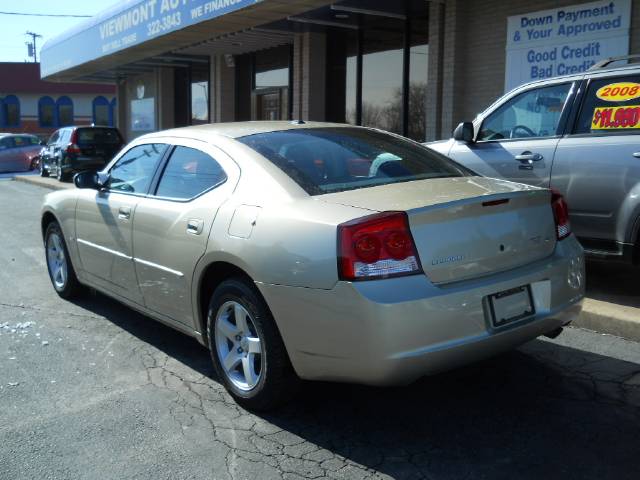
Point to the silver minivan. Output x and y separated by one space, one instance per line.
579 135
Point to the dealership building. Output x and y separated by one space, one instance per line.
414 67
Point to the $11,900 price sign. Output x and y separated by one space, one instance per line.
613 118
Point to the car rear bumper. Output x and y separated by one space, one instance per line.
83 163
394 331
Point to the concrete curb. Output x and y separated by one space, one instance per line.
611 318
50 183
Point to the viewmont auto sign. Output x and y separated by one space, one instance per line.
130 23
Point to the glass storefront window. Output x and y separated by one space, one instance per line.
101 115
350 87
199 95
272 78
271 84
418 69
12 115
46 112
65 111
382 41
271 68
382 63
199 102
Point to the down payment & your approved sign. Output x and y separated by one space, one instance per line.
564 41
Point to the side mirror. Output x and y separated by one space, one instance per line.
464 132
103 179
87 180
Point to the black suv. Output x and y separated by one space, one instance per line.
74 149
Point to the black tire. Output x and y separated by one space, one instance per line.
62 177
43 169
71 287
277 380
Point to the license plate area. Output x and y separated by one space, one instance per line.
511 306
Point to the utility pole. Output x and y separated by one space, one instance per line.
32 49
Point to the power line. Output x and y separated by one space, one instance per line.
45 15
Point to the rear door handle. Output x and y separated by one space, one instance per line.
124 213
529 157
636 154
195 226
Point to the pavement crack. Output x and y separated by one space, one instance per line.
47 310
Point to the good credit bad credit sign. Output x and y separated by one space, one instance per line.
566 40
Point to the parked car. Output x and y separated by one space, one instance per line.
270 244
73 149
579 135
18 152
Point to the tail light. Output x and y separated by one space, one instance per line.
377 246
561 215
73 148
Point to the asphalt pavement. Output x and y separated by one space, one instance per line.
93 390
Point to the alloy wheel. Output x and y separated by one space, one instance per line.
57 260
238 346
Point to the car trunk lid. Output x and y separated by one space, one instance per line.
466 227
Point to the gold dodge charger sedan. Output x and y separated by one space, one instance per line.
317 251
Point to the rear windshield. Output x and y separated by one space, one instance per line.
98 136
326 160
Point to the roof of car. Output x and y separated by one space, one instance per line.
2 135
89 126
629 66
242 129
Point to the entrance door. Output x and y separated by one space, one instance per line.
8 155
269 106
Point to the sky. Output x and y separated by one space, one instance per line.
13 27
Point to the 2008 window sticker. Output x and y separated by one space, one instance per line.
619 92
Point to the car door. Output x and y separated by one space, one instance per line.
22 148
104 221
517 139
171 226
597 166
49 149
7 154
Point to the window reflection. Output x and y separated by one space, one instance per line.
272 78
271 84
199 95
351 79
418 69
382 63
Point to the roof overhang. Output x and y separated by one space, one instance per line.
143 30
